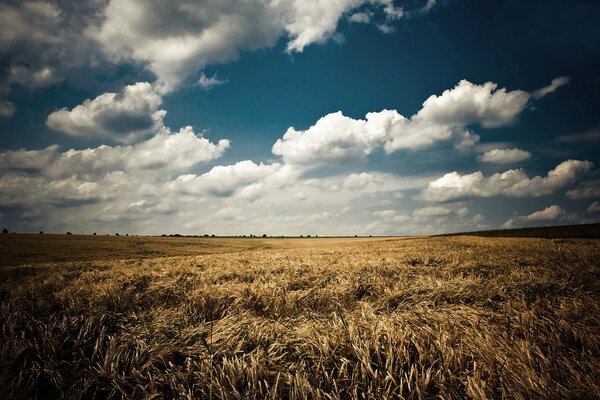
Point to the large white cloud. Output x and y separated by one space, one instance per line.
125 116
443 118
468 103
244 177
110 186
513 183
335 138
162 155
505 156
178 38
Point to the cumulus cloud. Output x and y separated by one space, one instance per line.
555 84
585 190
225 180
176 39
512 183
468 103
551 213
114 186
443 118
505 156
125 116
163 154
333 138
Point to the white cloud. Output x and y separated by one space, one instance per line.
162 155
361 17
555 84
550 213
335 137
28 160
174 152
181 37
245 178
513 183
468 103
585 190
505 156
208 83
125 116
594 207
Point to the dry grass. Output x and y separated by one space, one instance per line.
451 318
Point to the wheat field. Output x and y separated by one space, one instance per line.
382 318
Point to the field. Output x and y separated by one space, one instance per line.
367 318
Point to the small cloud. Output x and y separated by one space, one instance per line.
429 5
384 213
505 156
585 190
555 84
462 212
550 213
593 135
125 117
385 28
208 83
7 109
361 17
594 207
393 13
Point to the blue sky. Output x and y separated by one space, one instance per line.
298 117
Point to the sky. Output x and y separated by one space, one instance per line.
298 117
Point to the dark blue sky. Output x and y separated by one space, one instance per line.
356 68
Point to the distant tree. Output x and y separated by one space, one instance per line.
264 235
94 233
4 230
127 234
206 235
212 235
41 232
117 234
69 233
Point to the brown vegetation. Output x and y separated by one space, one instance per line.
457 317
